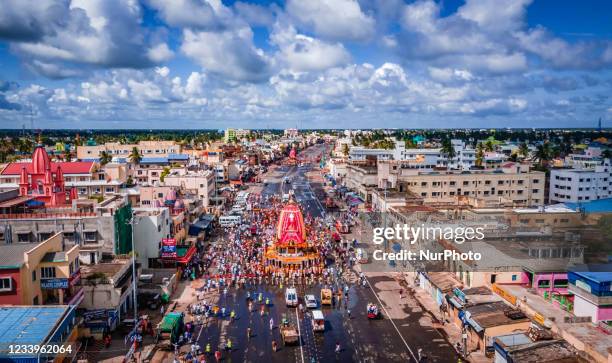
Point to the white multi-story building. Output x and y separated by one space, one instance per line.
464 159
151 225
581 185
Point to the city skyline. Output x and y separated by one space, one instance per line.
341 64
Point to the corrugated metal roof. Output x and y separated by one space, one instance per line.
54 257
11 255
28 324
178 157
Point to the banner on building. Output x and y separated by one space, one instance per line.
168 249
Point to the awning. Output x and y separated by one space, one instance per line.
198 226
475 325
35 203
188 255
455 302
15 201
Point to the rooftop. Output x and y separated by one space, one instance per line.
599 273
109 269
54 257
595 206
28 324
11 255
68 167
522 349
493 314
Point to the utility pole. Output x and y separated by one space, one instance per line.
132 222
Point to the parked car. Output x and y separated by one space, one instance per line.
311 301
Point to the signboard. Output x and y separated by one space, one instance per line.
168 249
459 294
75 278
54 283
504 294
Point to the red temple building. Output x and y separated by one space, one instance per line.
291 250
43 180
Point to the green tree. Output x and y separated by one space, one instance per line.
489 146
135 156
449 151
105 158
163 174
543 154
345 150
479 154
67 155
523 150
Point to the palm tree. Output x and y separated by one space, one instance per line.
67 155
489 145
105 158
135 156
345 149
606 154
543 154
479 154
523 150
449 151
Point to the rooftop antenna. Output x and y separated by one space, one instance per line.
31 119
599 125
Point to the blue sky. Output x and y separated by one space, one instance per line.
317 63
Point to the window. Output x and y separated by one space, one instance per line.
466 183
6 284
536 181
519 182
487 182
47 272
34 275
543 283
500 182
561 283
23 237
513 277
91 236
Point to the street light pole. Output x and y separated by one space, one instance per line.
134 281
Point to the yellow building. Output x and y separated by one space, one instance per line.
40 273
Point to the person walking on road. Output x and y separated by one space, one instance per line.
271 323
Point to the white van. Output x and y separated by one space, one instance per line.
291 298
318 321
230 221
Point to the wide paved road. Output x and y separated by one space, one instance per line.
361 339
396 337
304 193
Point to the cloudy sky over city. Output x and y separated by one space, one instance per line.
311 64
